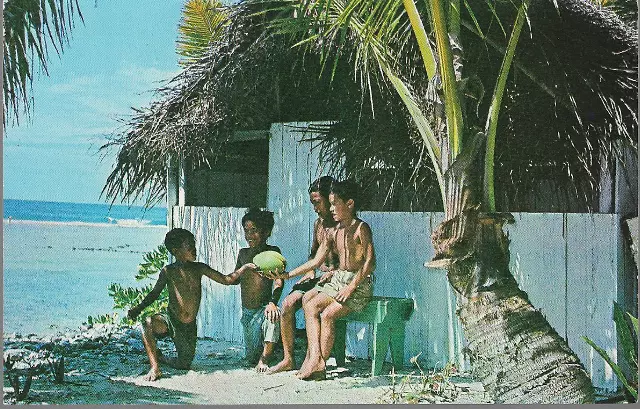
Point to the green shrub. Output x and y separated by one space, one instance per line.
627 329
124 298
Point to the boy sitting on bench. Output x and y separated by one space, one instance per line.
350 287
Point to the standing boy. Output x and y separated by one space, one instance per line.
350 287
260 295
323 226
183 281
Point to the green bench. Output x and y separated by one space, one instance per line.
388 316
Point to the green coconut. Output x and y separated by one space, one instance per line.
271 263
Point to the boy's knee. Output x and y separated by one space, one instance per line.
153 326
312 307
307 297
147 325
327 316
289 306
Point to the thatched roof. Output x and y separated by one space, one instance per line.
574 100
247 81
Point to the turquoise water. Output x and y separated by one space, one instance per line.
80 212
55 274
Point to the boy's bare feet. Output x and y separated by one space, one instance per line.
282 366
153 375
261 367
313 371
304 365
316 376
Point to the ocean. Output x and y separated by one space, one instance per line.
59 258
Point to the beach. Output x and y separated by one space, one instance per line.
56 274
104 364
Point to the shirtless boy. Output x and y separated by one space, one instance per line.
183 280
324 224
260 295
350 287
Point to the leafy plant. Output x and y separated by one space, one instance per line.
627 329
153 263
102 319
124 298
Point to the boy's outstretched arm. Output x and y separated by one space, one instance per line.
229 279
315 262
151 297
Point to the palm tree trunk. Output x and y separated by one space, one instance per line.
514 351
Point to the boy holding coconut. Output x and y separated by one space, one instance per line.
260 295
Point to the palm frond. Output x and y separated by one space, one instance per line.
560 121
202 24
31 27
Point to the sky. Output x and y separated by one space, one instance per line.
114 61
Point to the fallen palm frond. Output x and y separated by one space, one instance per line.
433 386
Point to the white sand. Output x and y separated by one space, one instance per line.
217 377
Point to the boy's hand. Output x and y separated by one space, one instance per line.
309 276
274 275
326 277
249 267
272 312
344 294
325 268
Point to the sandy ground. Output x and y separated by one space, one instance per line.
111 374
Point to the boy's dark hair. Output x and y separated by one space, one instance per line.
322 185
263 219
175 238
347 189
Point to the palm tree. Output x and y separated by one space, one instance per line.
31 27
514 351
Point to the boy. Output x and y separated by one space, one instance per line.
323 225
183 280
260 295
350 287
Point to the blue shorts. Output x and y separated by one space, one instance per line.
257 330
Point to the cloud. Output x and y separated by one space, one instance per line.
75 85
146 78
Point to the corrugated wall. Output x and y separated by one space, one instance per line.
572 267
569 264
